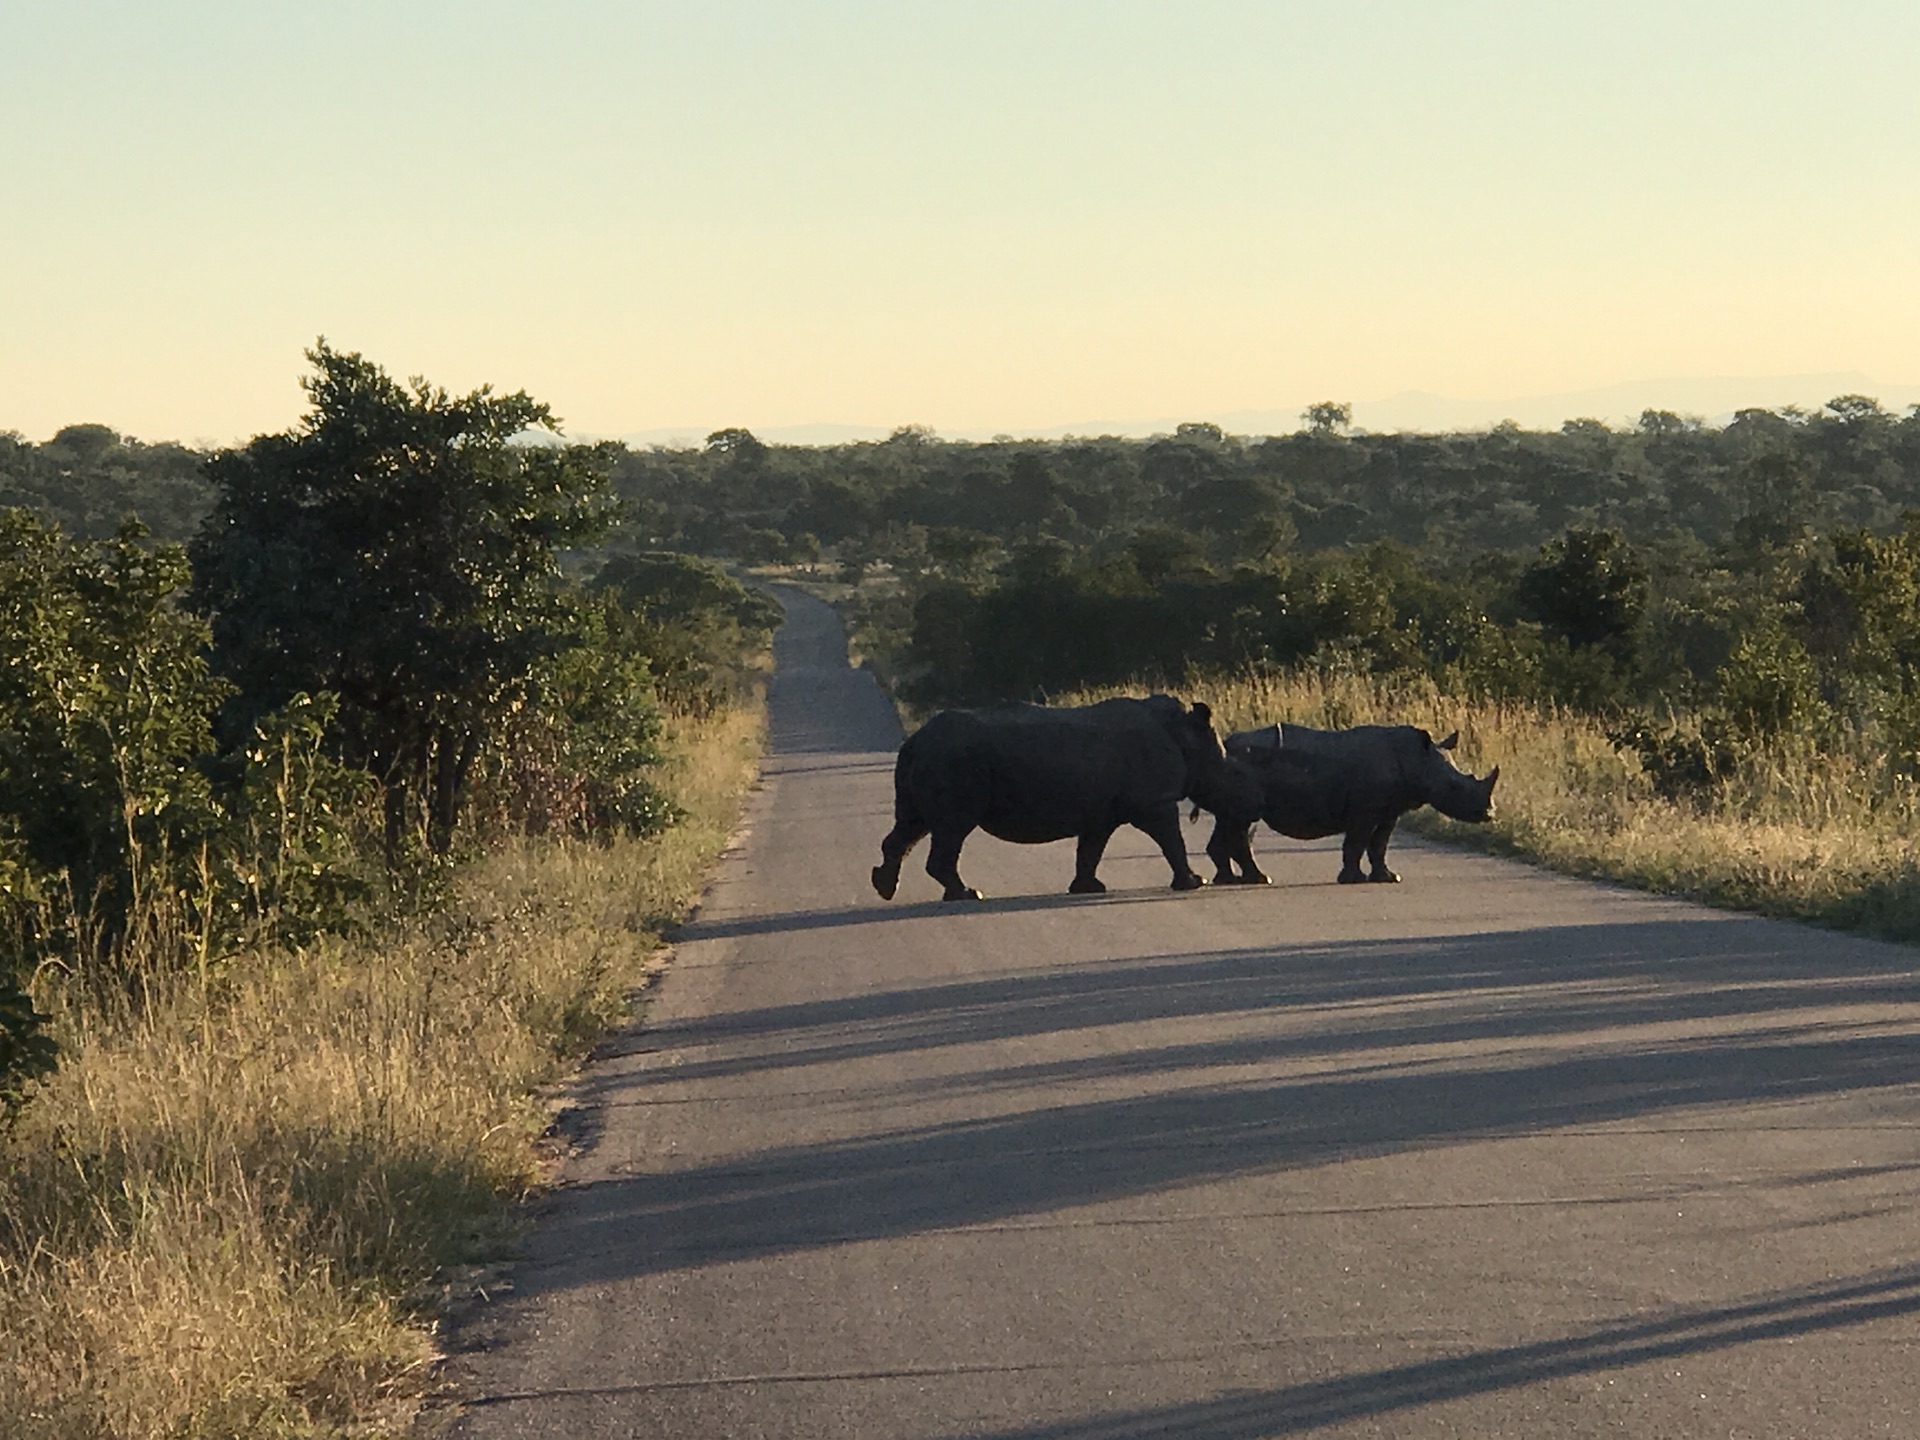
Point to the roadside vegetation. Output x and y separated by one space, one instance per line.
327 845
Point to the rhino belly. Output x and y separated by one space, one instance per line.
1027 829
1039 814
1040 794
1305 811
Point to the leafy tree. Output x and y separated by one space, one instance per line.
1160 552
1328 417
1588 587
397 549
1769 685
1246 514
84 444
960 553
1779 502
577 759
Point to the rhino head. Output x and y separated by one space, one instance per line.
1450 790
1210 779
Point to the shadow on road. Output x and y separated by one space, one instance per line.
1378 1009
1296 1409
1353 996
788 921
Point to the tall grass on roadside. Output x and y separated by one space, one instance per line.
220 1217
1826 833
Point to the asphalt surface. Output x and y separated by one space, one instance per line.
1488 1153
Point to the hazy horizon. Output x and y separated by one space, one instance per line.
1711 399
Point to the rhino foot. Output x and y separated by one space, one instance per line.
886 881
1252 877
1354 876
965 892
1384 876
1189 881
1088 886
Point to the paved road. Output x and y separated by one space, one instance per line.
1488 1153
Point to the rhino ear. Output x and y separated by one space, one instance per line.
1448 743
1202 713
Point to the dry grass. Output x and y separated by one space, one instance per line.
1797 831
223 1215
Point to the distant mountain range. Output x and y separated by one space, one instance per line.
1714 399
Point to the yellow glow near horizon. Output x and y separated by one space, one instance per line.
990 216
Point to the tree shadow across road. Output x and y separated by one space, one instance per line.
1298 1409
1355 996
785 922
1539 1045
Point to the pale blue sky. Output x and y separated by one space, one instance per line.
977 216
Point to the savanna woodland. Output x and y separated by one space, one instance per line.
345 791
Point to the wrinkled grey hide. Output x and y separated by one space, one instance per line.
1356 783
1035 773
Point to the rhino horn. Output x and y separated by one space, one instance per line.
1492 775
1448 743
1202 713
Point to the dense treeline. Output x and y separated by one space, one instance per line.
369 658
914 499
89 478
1754 572
1751 572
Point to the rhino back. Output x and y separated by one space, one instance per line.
1387 755
1033 773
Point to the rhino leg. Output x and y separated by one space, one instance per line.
903 837
1351 849
943 864
1163 828
1377 854
1086 859
1230 845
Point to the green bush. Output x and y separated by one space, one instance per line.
105 706
691 620
122 833
576 759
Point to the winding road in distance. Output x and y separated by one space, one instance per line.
1490 1153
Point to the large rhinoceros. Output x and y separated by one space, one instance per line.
1356 783
1035 773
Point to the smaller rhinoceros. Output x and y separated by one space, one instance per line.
1356 783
